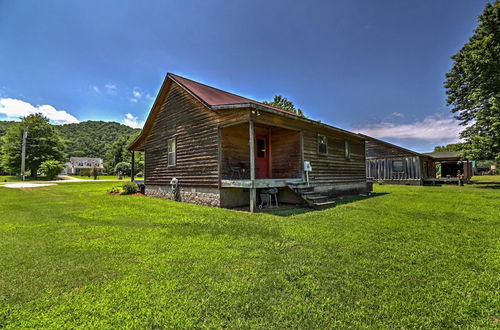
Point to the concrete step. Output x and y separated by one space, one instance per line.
324 205
309 193
318 198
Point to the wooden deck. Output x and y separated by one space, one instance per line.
258 183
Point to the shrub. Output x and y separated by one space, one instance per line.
123 167
51 168
130 188
85 172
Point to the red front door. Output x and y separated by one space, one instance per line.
262 157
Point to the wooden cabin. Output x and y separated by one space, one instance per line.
394 164
225 149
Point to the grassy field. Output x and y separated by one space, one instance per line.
410 256
486 178
9 178
100 177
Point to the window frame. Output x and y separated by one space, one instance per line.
174 152
347 149
318 144
402 166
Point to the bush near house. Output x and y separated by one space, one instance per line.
51 168
130 188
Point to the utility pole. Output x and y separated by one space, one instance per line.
23 152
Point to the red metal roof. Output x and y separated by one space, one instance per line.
214 97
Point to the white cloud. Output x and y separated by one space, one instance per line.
13 109
137 94
110 86
133 100
132 121
96 89
432 128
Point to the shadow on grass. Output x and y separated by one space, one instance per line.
291 210
488 186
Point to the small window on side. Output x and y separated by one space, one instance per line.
171 152
397 166
347 150
322 144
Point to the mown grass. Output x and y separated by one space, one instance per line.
413 257
100 177
486 178
10 178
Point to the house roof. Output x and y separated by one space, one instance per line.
218 99
215 99
444 155
390 145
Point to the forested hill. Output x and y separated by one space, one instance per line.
93 138
88 138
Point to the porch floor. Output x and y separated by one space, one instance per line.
259 183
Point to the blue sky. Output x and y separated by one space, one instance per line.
371 66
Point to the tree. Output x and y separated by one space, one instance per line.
449 147
118 153
473 87
123 167
51 168
43 143
283 103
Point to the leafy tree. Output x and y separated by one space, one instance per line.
43 143
473 87
449 147
51 168
283 103
123 167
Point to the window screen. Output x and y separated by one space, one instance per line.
171 152
347 150
397 166
322 147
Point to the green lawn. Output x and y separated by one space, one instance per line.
100 177
486 178
408 257
8 178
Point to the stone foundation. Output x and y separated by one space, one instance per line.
344 189
200 196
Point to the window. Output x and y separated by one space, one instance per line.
347 150
322 146
171 152
397 166
261 148
171 148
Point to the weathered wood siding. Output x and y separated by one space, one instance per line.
235 152
330 168
382 169
285 153
379 150
195 129
334 167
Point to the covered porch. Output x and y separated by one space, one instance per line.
255 155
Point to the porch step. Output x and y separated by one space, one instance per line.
317 198
312 198
324 205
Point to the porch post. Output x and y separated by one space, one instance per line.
253 190
132 174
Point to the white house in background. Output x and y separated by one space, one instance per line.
76 164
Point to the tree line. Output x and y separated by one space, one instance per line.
56 143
